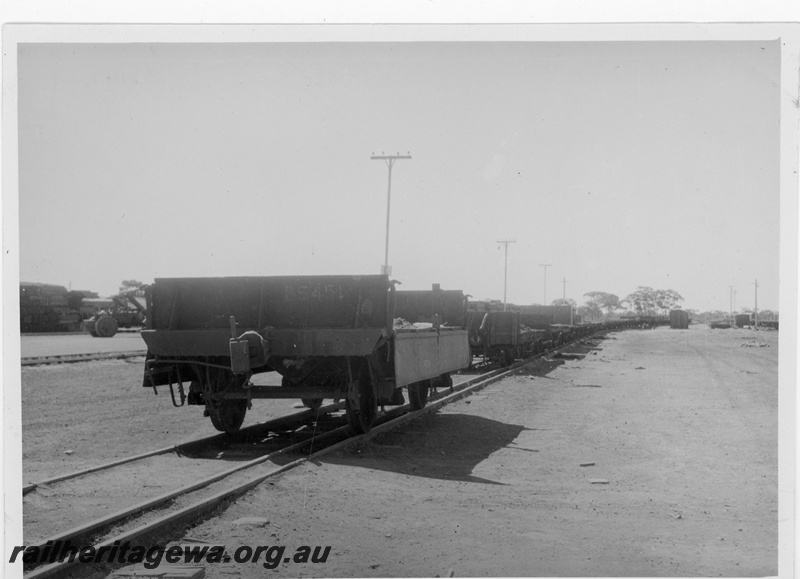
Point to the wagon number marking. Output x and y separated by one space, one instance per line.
313 292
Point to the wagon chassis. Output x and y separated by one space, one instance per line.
364 379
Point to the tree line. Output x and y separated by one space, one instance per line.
645 301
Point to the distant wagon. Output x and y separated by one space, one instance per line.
542 317
679 320
50 308
500 337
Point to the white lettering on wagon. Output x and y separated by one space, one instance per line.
309 292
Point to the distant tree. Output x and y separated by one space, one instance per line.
767 315
712 315
642 301
564 302
129 284
667 300
603 301
590 311
648 301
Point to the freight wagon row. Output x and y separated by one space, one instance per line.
351 338
53 308
327 336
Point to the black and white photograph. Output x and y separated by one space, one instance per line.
400 300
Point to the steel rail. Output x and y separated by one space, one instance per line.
85 529
176 447
205 506
292 417
296 417
72 358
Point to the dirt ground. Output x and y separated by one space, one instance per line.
678 431
78 415
38 345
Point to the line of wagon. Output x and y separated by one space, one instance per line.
351 338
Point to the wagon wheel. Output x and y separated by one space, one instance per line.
312 403
226 414
418 394
446 381
106 326
506 357
361 406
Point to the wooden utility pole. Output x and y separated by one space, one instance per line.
730 305
755 309
545 266
564 298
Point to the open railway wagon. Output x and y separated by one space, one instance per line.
328 336
437 306
558 322
500 337
51 308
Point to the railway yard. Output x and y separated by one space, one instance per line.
627 453
577 360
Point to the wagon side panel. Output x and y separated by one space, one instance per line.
425 355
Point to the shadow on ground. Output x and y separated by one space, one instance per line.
259 440
439 446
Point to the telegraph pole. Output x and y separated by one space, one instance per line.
564 298
505 271
545 266
390 161
731 305
755 310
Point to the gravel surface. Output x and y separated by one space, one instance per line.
78 415
35 345
679 429
677 432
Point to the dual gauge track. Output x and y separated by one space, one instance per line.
206 473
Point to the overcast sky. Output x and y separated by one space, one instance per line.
622 164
